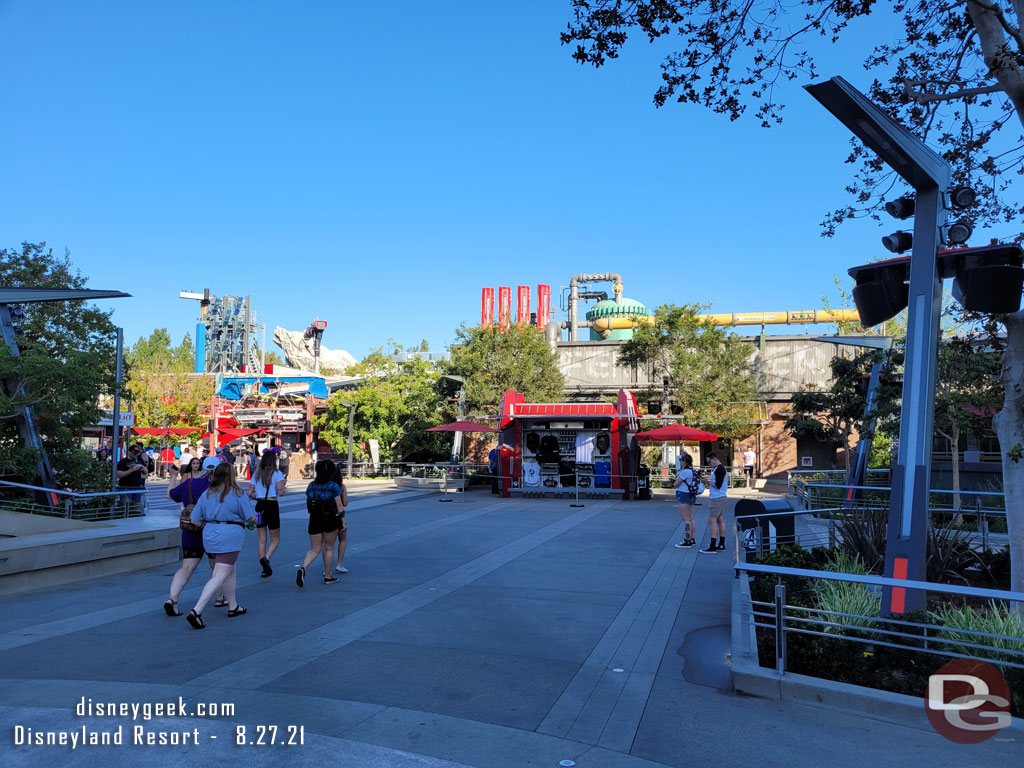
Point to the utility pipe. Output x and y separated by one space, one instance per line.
613 277
604 326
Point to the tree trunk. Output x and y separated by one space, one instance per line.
1009 424
998 55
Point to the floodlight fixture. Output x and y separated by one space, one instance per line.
959 233
902 208
962 197
898 242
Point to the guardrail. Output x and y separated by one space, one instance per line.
105 505
782 620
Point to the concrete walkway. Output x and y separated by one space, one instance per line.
487 633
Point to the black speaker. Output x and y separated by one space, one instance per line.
994 289
881 299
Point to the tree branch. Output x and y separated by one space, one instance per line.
997 11
924 98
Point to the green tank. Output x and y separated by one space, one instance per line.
608 308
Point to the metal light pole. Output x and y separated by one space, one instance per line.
929 175
118 373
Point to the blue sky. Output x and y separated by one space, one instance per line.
376 164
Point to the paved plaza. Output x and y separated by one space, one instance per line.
486 633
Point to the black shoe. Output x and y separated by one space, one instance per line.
330 579
195 619
709 549
267 570
685 543
300 576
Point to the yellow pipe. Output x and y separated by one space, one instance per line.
606 325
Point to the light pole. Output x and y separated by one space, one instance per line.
351 423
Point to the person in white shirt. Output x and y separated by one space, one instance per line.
749 460
718 487
266 488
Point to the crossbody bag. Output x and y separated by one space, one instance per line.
185 519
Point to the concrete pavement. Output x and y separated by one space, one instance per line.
487 633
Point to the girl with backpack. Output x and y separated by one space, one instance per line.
324 504
688 487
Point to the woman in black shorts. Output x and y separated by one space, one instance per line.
323 502
266 487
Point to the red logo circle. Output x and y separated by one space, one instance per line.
967 701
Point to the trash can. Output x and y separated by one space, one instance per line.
643 483
760 535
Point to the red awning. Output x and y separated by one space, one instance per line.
676 433
571 410
236 433
164 431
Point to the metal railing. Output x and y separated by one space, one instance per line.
105 505
782 620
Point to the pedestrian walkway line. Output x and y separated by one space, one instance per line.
279 660
602 706
48 630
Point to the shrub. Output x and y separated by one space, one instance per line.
998 565
863 534
950 555
846 597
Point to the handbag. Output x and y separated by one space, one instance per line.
261 505
185 519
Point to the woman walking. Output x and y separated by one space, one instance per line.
223 510
323 502
339 479
194 483
266 488
687 486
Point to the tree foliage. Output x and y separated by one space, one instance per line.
708 368
951 72
66 363
834 414
395 405
492 361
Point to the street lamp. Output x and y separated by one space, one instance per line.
351 422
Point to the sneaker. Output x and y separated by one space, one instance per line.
709 549
330 579
685 543
267 570
300 576
341 569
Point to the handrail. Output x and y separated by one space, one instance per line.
73 494
882 581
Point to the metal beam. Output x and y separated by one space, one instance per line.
35 295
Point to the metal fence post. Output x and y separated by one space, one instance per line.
983 527
780 629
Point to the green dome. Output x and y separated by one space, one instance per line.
609 308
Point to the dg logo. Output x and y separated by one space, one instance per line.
968 701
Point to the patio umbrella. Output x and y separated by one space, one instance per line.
164 431
675 433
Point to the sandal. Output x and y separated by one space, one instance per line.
171 608
195 619
222 602
237 611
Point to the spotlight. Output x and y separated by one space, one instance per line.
962 197
898 242
959 233
900 209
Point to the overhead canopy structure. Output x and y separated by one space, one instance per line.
676 433
233 387
462 426
164 431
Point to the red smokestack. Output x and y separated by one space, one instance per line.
487 307
543 306
523 305
504 306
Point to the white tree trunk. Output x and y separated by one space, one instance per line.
954 443
1009 424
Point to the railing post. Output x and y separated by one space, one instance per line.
69 508
983 527
780 629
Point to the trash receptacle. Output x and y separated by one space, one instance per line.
643 483
759 534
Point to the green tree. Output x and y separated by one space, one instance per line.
492 361
424 346
708 368
66 365
395 405
834 414
967 392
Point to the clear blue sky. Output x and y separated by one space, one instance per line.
376 164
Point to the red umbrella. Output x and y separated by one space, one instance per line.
462 426
675 433
164 431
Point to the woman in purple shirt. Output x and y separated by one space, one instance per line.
188 492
